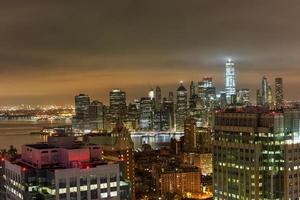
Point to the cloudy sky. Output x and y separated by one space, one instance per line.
52 50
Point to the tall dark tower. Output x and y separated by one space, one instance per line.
117 101
258 98
157 98
278 93
82 103
181 107
193 96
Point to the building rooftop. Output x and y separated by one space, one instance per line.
40 146
248 109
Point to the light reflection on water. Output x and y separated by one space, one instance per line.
17 133
156 141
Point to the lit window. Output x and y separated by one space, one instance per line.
113 194
104 195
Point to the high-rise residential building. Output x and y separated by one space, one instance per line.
185 181
146 114
117 104
230 80
278 93
265 91
62 169
256 154
158 99
96 116
181 107
82 103
243 97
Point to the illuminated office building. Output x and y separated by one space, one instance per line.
230 80
133 116
265 91
243 97
205 102
270 98
117 105
67 171
146 114
278 93
256 154
151 94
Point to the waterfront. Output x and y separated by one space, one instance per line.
17 133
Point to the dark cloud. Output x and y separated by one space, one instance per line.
58 48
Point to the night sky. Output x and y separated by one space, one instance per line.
52 50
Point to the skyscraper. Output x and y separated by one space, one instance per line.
96 116
205 101
146 114
181 107
82 103
171 96
81 118
255 154
265 91
168 114
151 93
133 116
229 80
192 89
278 93
270 97
118 147
117 101
158 98
258 98
243 97
193 96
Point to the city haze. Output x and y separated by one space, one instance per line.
53 50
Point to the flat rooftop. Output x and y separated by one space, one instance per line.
40 146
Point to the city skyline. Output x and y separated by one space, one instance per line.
71 49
